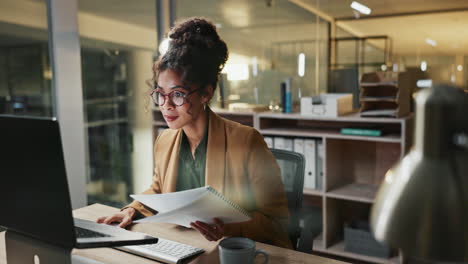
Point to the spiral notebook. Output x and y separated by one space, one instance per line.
200 204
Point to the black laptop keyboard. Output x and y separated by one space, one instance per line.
83 233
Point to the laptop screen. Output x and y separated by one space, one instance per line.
34 192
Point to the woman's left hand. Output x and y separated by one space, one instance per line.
212 232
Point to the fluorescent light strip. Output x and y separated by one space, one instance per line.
301 64
360 8
254 66
424 83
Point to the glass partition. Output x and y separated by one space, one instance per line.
25 74
269 42
118 44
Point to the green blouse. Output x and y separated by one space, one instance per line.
191 171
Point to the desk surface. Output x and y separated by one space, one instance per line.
176 233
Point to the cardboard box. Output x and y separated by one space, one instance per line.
327 105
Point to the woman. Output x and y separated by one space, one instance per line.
201 148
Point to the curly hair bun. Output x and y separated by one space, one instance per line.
196 51
200 35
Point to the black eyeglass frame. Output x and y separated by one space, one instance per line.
169 95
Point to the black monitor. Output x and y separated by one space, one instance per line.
30 152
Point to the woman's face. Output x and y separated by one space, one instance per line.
186 114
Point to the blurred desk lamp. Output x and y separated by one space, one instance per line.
422 205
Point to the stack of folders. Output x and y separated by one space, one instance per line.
312 149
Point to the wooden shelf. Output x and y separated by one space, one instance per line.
358 192
291 132
338 249
221 111
245 118
354 117
310 133
315 192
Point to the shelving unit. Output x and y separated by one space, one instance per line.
353 166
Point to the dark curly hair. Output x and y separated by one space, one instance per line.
196 52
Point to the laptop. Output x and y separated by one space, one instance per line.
34 190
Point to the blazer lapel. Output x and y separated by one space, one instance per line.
216 153
170 176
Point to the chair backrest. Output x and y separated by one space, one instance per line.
292 166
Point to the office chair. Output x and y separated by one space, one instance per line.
292 166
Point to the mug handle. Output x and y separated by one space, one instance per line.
261 252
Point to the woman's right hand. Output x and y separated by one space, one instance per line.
123 218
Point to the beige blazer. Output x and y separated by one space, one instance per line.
241 167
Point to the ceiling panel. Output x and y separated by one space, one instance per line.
257 21
409 33
341 8
245 13
138 12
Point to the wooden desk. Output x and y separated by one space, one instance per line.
176 233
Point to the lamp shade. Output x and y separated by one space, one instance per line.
422 205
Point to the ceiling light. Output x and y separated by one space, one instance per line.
431 42
360 8
423 65
301 64
460 67
424 83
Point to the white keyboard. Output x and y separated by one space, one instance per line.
166 251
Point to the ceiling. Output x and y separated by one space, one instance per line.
254 24
404 21
408 23
138 12
410 33
340 9
242 23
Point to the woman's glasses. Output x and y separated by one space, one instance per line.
178 98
